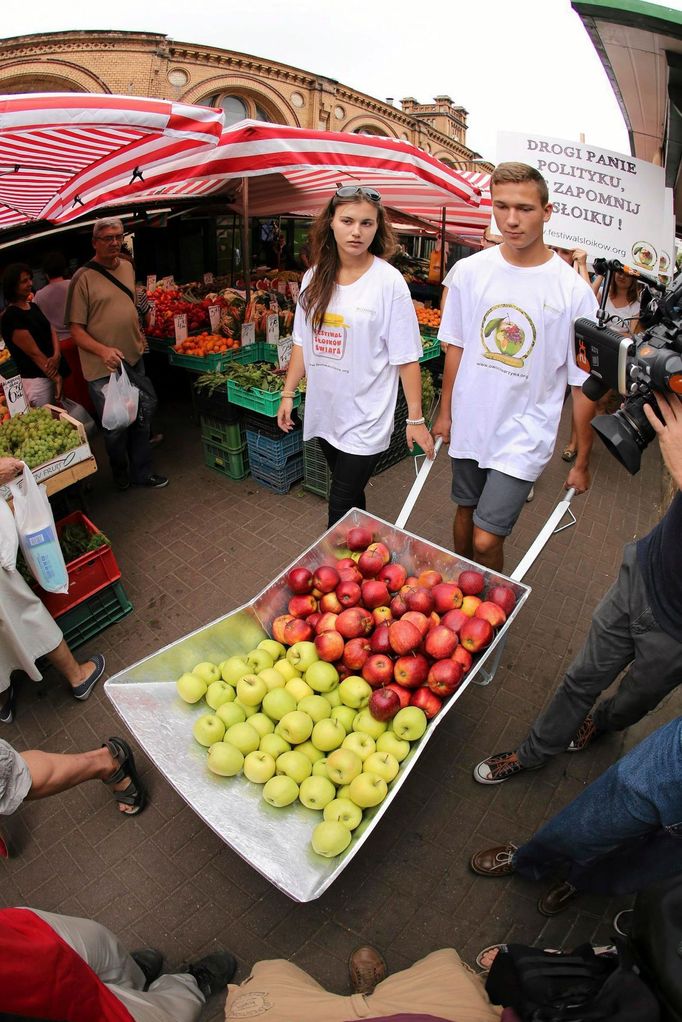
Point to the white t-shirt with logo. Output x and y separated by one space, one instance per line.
515 325
370 329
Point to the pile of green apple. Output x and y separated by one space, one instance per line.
288 722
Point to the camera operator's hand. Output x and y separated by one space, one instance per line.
578 479
669 432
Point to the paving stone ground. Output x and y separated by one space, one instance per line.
204 545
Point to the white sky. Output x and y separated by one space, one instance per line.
516 65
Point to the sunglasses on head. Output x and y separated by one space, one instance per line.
353 191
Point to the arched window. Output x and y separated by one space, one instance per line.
369 129
238 107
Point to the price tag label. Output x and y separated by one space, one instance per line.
151 282
180 327
284 347
152 315
214 317
274 305
248 334
14 395
208 278
294 290
272 328
282 286
168 281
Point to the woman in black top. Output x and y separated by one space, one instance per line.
31 339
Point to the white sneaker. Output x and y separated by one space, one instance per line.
530 495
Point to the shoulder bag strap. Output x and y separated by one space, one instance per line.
92 265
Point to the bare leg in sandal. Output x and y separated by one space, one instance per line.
54 772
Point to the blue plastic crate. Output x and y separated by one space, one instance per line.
274 452
279 480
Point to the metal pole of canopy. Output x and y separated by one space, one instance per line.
442 244
246 238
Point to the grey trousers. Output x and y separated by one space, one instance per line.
623 633
174 997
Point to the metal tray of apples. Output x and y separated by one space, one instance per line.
274 841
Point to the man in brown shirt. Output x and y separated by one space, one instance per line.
102 315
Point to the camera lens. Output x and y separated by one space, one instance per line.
626 433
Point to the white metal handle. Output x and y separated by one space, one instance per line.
417 487
548 529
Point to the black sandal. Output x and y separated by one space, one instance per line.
134 795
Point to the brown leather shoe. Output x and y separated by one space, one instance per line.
494 862
366 968
557 898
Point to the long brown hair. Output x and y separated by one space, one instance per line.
317 295
632 293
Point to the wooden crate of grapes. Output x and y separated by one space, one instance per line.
51 442
276 790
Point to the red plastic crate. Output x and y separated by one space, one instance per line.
87 574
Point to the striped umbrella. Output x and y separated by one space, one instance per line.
63 154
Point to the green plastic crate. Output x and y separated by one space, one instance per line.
93 615
266 402
397 449
8 369
231 436
431 350
214 362
233 464
316 475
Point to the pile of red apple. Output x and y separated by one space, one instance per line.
412 638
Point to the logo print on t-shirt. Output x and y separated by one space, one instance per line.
330 340
513 333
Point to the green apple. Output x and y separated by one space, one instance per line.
262 724
287 670
191 687
275 649
272 678
295 727
243 737
410 723
208 729
298 689
368 790
316 707
277 703
259 767
248 710
366 723
309 750
328 734
355 692
342 810
274 745
330 838
231 713
301 655
295 765
316 792
389 742
333 697
233 669
206 671
320 769
219 692
250 690
361 744
224 759
280 791
343 792
343 765
259 659
346 714
383 764
321 676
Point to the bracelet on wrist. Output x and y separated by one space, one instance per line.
416 422
289 393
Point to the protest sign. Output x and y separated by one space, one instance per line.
666 255
607 203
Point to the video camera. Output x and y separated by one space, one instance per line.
635 366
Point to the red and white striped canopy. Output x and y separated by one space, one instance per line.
295 170
64 154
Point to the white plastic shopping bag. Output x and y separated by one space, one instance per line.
120 401
37 533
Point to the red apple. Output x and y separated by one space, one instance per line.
348 593
279 624
382 615
444 677
393 575
302 606
403 694
356 652
398 605
434 620
427 701
440 643
454 619
469 605
343 671
420 621
329 646
297 630
471 582
491 612
300 580
378 670
382 550
350 574
447 596
330 603
370 564
411 581
463 656
375 594
411 671
420 599
327 623
404 636
314 619
379 641
429 578
476 634
344 562
326 578
358 538
354 622
504 597
384 704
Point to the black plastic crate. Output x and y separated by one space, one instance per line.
216 405
265 425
